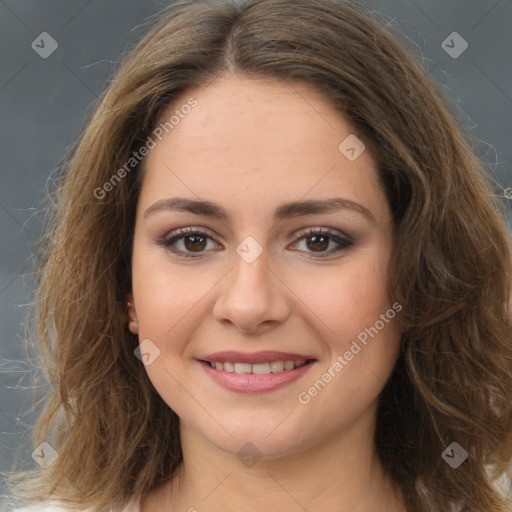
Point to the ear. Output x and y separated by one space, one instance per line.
133 323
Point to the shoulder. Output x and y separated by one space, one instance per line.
40 508
46 507
130 507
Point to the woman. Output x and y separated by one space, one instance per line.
275 276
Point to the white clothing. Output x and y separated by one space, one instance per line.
132 506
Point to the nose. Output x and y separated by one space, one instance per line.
253 296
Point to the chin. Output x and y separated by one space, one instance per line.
259 440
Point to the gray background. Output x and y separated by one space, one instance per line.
43 103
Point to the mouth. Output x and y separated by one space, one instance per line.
258 368
255 377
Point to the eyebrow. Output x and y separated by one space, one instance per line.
286 210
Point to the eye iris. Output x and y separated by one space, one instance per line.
195 245
323 245
196 242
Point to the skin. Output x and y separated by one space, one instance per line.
251 145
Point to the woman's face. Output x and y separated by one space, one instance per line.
273 269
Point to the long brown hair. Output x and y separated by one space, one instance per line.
450 267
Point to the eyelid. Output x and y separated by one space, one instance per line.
334 233
170 238
343 240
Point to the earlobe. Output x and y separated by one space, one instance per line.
133 323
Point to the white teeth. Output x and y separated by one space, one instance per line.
241 367
276 366
258 368
228 367
261 368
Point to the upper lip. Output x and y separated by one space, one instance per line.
253 358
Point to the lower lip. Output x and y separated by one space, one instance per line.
252 383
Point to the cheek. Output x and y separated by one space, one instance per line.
349 298
361 339
162 295
357 323
167 302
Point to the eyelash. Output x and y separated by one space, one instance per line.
167 242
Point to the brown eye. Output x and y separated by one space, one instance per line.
318 241
194 240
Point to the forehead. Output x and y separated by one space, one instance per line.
261 140
269 114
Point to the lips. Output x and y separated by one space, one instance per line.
254 358
258 368
257 372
